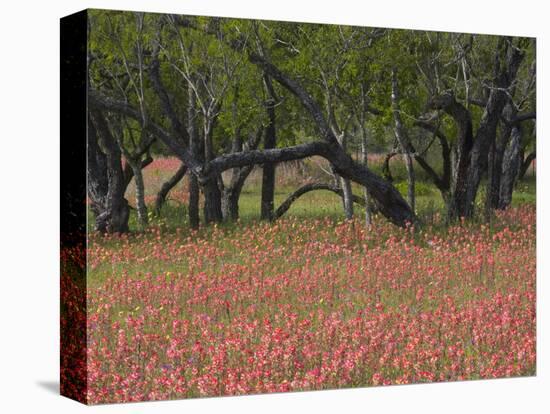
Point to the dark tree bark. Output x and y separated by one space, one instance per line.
135 164
347 198
175 145
491 172
510 167
389 201
507 61
386 170
211 186
194 192
168 186
212 201
232 192
472 153
270 141
443 182
98 183
115 214
463 119
498 173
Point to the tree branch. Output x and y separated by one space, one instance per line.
285 205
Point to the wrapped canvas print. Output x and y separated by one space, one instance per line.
255 206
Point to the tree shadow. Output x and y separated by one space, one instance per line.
50 386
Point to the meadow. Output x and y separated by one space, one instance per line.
306 303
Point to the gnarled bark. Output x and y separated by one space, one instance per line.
98 184
232 192
507 61
510 168
113 217
463 119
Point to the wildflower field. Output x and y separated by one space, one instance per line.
308 304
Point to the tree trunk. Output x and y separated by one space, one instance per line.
472 154
411 181
114 217
129 173
347 198
211 189
212 201
270 141
495 171
510 167
364 156
489 196
386 171
461 158
230 204
140 194
97 172
345 183
194 215
494 175
194 149
507 61
232 194
168 186
403 140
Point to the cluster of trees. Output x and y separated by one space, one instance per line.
228 94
